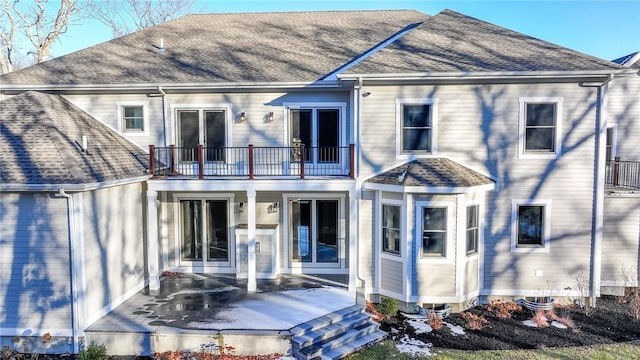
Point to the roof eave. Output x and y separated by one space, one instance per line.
171 87
496 75
17 187
428 189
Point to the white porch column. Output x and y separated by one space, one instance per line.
251 241
152 241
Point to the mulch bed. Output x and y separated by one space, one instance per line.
609 322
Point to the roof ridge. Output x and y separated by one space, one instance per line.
54 133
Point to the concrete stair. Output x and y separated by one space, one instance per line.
335 335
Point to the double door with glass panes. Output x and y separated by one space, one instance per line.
204 235
314 232
319 131
201 127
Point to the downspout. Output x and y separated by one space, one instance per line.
598 198
356 141
163 94
72 285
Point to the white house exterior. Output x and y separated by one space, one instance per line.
432 159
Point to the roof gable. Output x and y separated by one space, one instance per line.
41 144
451 42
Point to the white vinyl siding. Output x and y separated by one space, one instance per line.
113 247
621 240
478 127
35 290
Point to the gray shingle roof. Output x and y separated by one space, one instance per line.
431 172
218 48
41 140
453 42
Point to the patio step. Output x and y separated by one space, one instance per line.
335 335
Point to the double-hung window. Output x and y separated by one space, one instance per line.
391 229
531 221
133 117
472 229
540 127
416 126
434 231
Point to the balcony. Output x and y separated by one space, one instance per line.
251 162
622 174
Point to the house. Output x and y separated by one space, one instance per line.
431 159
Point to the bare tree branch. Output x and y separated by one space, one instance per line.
35 23
126 16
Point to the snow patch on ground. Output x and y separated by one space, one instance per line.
420 326
553 323
413 347
558 325
455 329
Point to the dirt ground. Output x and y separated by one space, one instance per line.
609 322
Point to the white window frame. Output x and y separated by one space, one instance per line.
546 204
229 115
433 103
402 249
478 227
197 264
341 106
145 120
450 250
614 141
522 153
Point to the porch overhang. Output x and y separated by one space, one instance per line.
430 176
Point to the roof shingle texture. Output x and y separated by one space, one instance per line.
218 48
453 42
41 144
432 172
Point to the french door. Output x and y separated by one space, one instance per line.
319 131
314 232
206 127
204 235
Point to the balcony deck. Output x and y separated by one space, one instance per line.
251 162
622 174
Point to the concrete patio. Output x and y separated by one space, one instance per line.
205 312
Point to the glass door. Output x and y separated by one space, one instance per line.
314 232
204 231
319 131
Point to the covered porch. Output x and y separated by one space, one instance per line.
199 312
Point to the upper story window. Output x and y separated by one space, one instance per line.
611 142
133 117
540 127
416 126
391 229
530 228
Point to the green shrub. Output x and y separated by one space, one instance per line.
388 306
93 352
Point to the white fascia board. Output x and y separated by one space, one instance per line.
153 87
368 53
70 187
428 189
257 185
490 75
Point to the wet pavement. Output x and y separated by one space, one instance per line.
188 302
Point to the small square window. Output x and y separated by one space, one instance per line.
530 225
434 232
133 118
472 229
391 229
